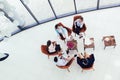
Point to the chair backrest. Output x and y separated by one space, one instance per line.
83 28
75 18
67 65
44 50
68 29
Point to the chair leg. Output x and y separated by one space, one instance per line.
68 70
64 41
84 48
104 47
114 45
84 34
48 57
93 48
82 70
75 34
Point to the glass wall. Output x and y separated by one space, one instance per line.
7 26
41 10
86 5
35 12
109 3
22 12
63 7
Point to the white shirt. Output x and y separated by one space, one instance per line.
79 23
51 48
60 29
61 62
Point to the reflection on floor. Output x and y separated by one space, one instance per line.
26 62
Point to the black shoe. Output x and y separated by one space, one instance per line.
67 51
75 55
82 54
80 37
5 57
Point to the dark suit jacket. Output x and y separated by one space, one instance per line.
90 59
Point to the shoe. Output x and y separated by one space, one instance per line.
5 57
80 37
82 54
67 51
75 55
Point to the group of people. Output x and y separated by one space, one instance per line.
78 25
85 61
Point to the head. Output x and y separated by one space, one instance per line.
78 17
55 59
49 43
56 26
85 61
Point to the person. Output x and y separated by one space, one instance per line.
61 31
78 25
3 56
85 61
62 61
53 47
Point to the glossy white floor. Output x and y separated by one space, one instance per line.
26 61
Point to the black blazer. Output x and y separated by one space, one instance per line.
90 61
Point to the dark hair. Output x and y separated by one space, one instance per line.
81 18
55 59
75 55
56 26
48 43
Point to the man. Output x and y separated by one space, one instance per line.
85 61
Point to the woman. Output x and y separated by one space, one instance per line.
61 31
79 25
53 47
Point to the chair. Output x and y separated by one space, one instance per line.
84 26
68 30
109 41
44 50
67 65
91 45
88 68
